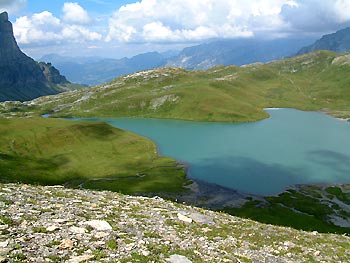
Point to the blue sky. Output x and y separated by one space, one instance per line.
94 6
112 28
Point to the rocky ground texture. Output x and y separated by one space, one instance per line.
56 224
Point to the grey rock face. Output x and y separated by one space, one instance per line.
178 259
21 78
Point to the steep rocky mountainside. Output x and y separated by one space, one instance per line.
52 74
338 42
21 78
55 224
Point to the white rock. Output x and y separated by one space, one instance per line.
178 259
4 244
129 247
99 225
201 219
79 259
77 230
99 235
184 218
52 228
59 221
66 243
289 244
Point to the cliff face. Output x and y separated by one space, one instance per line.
21 78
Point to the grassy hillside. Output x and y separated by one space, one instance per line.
316 81
95 155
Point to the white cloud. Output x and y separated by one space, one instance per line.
12 6
74 13
317 16
42 28
183 20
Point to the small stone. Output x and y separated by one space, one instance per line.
59 221
178 259
52 228
317 253
130 246
201 219
184 218
66 244
99 225
4 244
289 244
145 253
77 230
99 235
79 259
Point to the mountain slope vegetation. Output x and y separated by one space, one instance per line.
315 81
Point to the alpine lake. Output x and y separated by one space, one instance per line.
291 147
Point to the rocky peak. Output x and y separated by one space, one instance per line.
22 78
4 17
7 40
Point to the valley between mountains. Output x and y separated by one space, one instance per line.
55 151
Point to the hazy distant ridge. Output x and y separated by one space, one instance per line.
338 42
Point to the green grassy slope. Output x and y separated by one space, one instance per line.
50 151
316 81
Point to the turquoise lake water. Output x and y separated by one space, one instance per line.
291 147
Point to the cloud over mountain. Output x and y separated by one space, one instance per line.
311 16
182 20
44 27
173 22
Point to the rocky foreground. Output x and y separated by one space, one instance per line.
55 224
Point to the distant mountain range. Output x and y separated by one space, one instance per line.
92 70
338 42
236 52
22 78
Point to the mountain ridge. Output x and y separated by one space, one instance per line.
338 42
235 52
94 71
